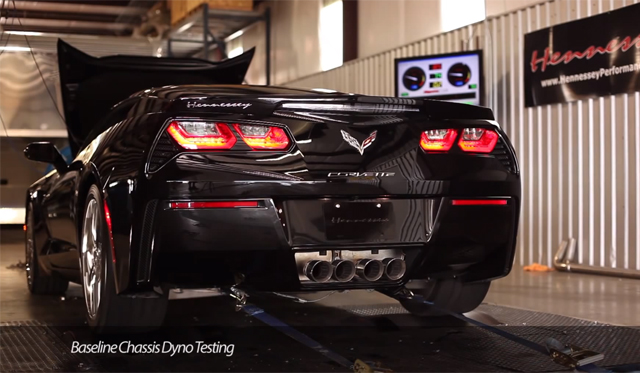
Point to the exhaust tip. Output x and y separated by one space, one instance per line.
394 268
370 269
344 270
318 270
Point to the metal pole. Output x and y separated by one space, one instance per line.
169 51
222 47
205 26
562 262
267 21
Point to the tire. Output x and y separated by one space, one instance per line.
107 312
449 295
38 281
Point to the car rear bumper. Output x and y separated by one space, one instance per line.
264 247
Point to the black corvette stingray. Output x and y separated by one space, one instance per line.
184 178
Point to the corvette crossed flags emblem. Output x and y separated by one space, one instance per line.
353 142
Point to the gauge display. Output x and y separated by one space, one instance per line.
414 78
459 74
453 77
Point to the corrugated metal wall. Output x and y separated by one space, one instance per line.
580 161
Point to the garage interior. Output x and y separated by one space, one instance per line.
577 265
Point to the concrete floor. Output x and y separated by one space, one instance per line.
595 298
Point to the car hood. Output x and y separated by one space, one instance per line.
92 86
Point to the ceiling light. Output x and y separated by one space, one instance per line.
234 35
185 27
24 33
235 52
15 49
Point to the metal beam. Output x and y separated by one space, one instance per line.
187 41
230 13
564 256
24 23
67 16
267 21
205 25
75 8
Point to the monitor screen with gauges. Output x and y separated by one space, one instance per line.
454 77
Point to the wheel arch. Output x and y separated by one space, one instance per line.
86 179
115 194
40 230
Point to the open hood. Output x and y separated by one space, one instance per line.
91 86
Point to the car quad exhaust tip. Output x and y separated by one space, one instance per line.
370 269
318 270
341 267
343 270
394 268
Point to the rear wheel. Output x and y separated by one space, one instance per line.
38 281
107 311
446 295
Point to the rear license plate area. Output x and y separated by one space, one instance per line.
361 221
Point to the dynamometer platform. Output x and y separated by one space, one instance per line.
383 334
37 333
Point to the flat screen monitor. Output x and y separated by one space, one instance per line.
454 77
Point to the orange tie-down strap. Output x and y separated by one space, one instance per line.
537 267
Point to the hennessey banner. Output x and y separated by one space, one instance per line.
591 57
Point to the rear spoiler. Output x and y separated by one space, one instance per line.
91 86
356 104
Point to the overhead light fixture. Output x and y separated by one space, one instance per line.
235 52
24 33
185 27
234 35
12 215
14 49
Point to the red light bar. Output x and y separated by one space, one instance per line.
213 205
107 216
478 202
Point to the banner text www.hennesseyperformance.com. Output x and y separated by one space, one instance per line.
591 75
166 347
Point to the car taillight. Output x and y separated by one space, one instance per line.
202 135
438 140
213 204
478 140
478 202
263 137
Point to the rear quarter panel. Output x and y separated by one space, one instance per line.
114 161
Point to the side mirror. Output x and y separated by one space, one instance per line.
46 152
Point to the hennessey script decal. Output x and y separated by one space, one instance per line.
196 104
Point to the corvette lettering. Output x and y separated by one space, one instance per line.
361 174
335 220
195 104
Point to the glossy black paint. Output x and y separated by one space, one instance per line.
212 247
